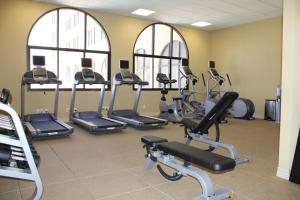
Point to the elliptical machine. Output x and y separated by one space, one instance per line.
242 108
190 106
168 111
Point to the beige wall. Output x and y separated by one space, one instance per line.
251 55
16 19
290 110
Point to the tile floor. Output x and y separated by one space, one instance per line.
110 167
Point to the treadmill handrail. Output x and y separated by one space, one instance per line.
77 82
118 80
27 79
52 81
79 79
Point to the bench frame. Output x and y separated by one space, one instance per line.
201 131
208 191
204 138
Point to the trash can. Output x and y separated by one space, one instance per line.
270 109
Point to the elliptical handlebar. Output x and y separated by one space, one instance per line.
214 75
229 81
5 95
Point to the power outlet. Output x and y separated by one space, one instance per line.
68 110
144 106
105 108
41 110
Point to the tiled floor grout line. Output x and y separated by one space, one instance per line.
62 160
163 192
123 193
133 174
9 191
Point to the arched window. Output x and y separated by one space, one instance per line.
64 36
159 48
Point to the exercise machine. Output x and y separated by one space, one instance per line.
242 108
161 151
42 125
168 111
18 157
189 103
5 96
200 131
131 116
93 121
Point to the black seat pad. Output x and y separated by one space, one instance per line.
197 156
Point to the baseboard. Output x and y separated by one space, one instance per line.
283 173
259 116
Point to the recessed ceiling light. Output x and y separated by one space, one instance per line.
201 24
143 12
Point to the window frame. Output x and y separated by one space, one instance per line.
153 56
58 49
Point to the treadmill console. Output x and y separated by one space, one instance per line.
214 73
87 72
211 64
185 62
212 69
185 67
39 73
187 70
38 60
125 73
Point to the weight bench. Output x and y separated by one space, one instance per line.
200 131
162 151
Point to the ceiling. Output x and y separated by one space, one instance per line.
221 13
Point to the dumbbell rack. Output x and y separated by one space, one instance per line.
21 151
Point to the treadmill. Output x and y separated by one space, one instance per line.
93 121
131 116
42 125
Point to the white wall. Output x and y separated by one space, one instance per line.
290 109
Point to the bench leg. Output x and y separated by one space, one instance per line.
208 192
149 165
187 140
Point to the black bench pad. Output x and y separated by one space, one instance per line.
152 140
197 156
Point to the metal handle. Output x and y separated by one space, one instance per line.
203 79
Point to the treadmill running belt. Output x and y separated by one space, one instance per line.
145 120
101 122
48 126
